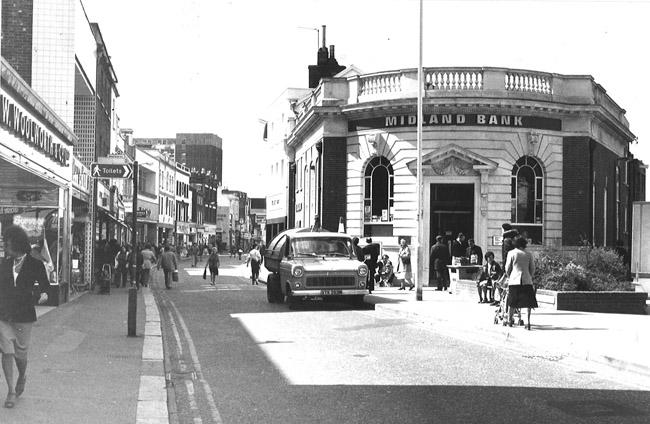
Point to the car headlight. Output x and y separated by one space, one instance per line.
362 271
298 272
362 284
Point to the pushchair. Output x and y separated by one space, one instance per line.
501 313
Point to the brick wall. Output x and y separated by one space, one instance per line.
334 182
604 164
584 160
17 17
576 190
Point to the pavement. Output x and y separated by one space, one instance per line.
615 342
83 368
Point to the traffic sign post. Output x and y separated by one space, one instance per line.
111 170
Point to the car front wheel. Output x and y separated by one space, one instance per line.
273 290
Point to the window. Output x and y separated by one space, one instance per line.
618 202
527 198
605 213
378 197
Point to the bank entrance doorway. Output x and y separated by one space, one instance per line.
451 211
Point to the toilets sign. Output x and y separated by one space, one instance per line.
458 119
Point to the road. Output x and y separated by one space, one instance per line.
234 358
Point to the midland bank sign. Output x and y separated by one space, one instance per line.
458 119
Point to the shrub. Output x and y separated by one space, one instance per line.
592 269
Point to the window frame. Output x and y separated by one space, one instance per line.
539 194
368 198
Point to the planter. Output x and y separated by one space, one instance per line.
619 302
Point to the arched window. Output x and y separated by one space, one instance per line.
378 197
527 198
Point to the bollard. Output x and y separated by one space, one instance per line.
133 309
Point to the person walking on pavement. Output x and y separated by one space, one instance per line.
168 264
195 254
438 261
255 259
370 256
19 273
121 267
405 262
148 262
213 265
520 267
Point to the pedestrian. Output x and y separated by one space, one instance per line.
239 253
195 254
438 260
458 249
384 274
212 263
255 259
129 264
520 267
405 262
168 264
121 267
139 262
356 249
370 256
508 233
474 253
490 274
148 262
19 274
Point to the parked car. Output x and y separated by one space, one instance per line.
307 264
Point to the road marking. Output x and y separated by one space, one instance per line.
214 412
176 335
193 405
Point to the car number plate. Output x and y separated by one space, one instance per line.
329 292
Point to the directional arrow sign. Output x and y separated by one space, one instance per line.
111 170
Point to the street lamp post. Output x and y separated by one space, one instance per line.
421 248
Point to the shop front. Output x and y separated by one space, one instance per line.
81 224
147 223
36 169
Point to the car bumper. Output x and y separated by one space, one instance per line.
328 292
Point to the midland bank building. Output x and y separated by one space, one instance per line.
548 153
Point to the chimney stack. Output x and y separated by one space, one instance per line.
326 64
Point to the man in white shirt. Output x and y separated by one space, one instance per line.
255 259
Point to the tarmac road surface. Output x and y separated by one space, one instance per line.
234 358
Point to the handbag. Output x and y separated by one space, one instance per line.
175 275
406 260
205 273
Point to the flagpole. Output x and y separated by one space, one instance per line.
421 249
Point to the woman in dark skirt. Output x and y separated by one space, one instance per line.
520 267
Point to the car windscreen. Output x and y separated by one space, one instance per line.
321 246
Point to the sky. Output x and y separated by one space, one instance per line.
215 66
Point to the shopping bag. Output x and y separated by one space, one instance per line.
205 273
175 275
